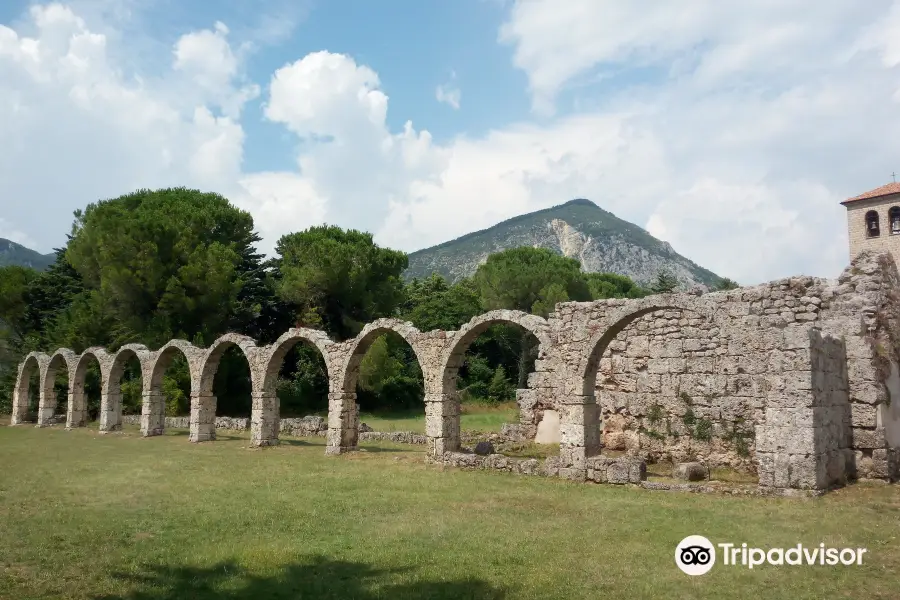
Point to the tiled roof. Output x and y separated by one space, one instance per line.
885 190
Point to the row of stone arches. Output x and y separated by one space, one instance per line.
564 378
768 358
439 353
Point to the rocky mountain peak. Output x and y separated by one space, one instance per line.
572 243
578 229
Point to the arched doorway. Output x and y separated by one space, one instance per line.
667 391
383 376
124 394
86 389
169 387
530 340
225 369
55 389
297 379
26 397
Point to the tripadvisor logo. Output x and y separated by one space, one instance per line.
696 555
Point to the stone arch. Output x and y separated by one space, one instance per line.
263 423
873 226
894 220
153 411
65 358
453 355
345 359
162 359
76 415
213 355
118 361
579 410
111 400
621 318
271 362
359 345
33 364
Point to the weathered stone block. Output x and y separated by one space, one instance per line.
618 472
530 466
484 448
572 474
572 434
690 471
766 469
550 467
441 445
868 438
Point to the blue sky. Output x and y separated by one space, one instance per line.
413 46
730 130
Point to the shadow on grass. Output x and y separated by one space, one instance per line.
316 577
236 437
230 437
392 449
410 414
284 441
320 443
398 449
176 432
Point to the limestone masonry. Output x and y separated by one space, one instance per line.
793 379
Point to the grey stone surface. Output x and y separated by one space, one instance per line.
786 379
304 427
484 448
517 432
399 437
690 471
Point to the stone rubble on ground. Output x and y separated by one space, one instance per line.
690 471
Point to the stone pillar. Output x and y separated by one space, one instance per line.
76 410
442 422
343 423
804 442
19 407
203 418
46 407
526 400
579 434
111 412
264 421
153 414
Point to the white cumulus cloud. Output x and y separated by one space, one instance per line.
755 121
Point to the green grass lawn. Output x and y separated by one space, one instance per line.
475 417
117 516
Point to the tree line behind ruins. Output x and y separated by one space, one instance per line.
177 263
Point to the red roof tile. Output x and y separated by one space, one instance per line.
885 190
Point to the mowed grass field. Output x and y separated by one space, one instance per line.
473 417
117 516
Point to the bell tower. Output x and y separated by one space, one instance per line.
873 221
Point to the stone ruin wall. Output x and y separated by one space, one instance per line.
663 392
787 378
694 384
804 440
